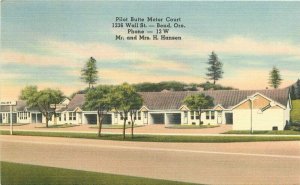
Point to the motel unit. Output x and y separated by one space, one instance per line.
243 109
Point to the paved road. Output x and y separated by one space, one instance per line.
209 163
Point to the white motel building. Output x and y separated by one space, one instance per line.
263 109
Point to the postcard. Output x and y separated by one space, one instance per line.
150 92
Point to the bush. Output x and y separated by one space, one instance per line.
292 126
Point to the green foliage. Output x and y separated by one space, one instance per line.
275 78
197 102
157 87
295 112
98 98
89 73
293 93
265 132
215 71
24 174
211 86
42 99
126 99
177 86
29 94
297 90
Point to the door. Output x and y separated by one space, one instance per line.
185 117
219 117
14 117
0 118
229 118
145 117
33 118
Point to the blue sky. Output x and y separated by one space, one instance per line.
46 43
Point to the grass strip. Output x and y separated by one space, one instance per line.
24 174
159 138
269 132
191 126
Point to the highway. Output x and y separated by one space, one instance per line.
207 163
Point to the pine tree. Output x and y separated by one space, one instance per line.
293 92
275 78
89 73
215 71
297 90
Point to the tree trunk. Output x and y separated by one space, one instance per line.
132 125
99 124
47 119
124 125
200 117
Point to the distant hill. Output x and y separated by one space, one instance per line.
178 86
171 86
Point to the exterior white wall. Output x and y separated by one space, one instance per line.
260 120
5 116
211 121
23 117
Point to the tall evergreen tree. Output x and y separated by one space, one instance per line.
89 73
275 78
293 92
215 71
297 90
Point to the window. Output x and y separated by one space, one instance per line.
192 115
207 114
212 115
139 115
72 115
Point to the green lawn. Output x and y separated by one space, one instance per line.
295 113
160 138
115 126
23 174
14 124
191 126
58 126
271 132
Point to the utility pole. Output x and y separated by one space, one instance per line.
251 99
10 104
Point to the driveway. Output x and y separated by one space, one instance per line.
148 129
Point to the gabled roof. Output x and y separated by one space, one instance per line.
226 98
76 101
21 105
173 100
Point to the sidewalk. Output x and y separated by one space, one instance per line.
145 130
